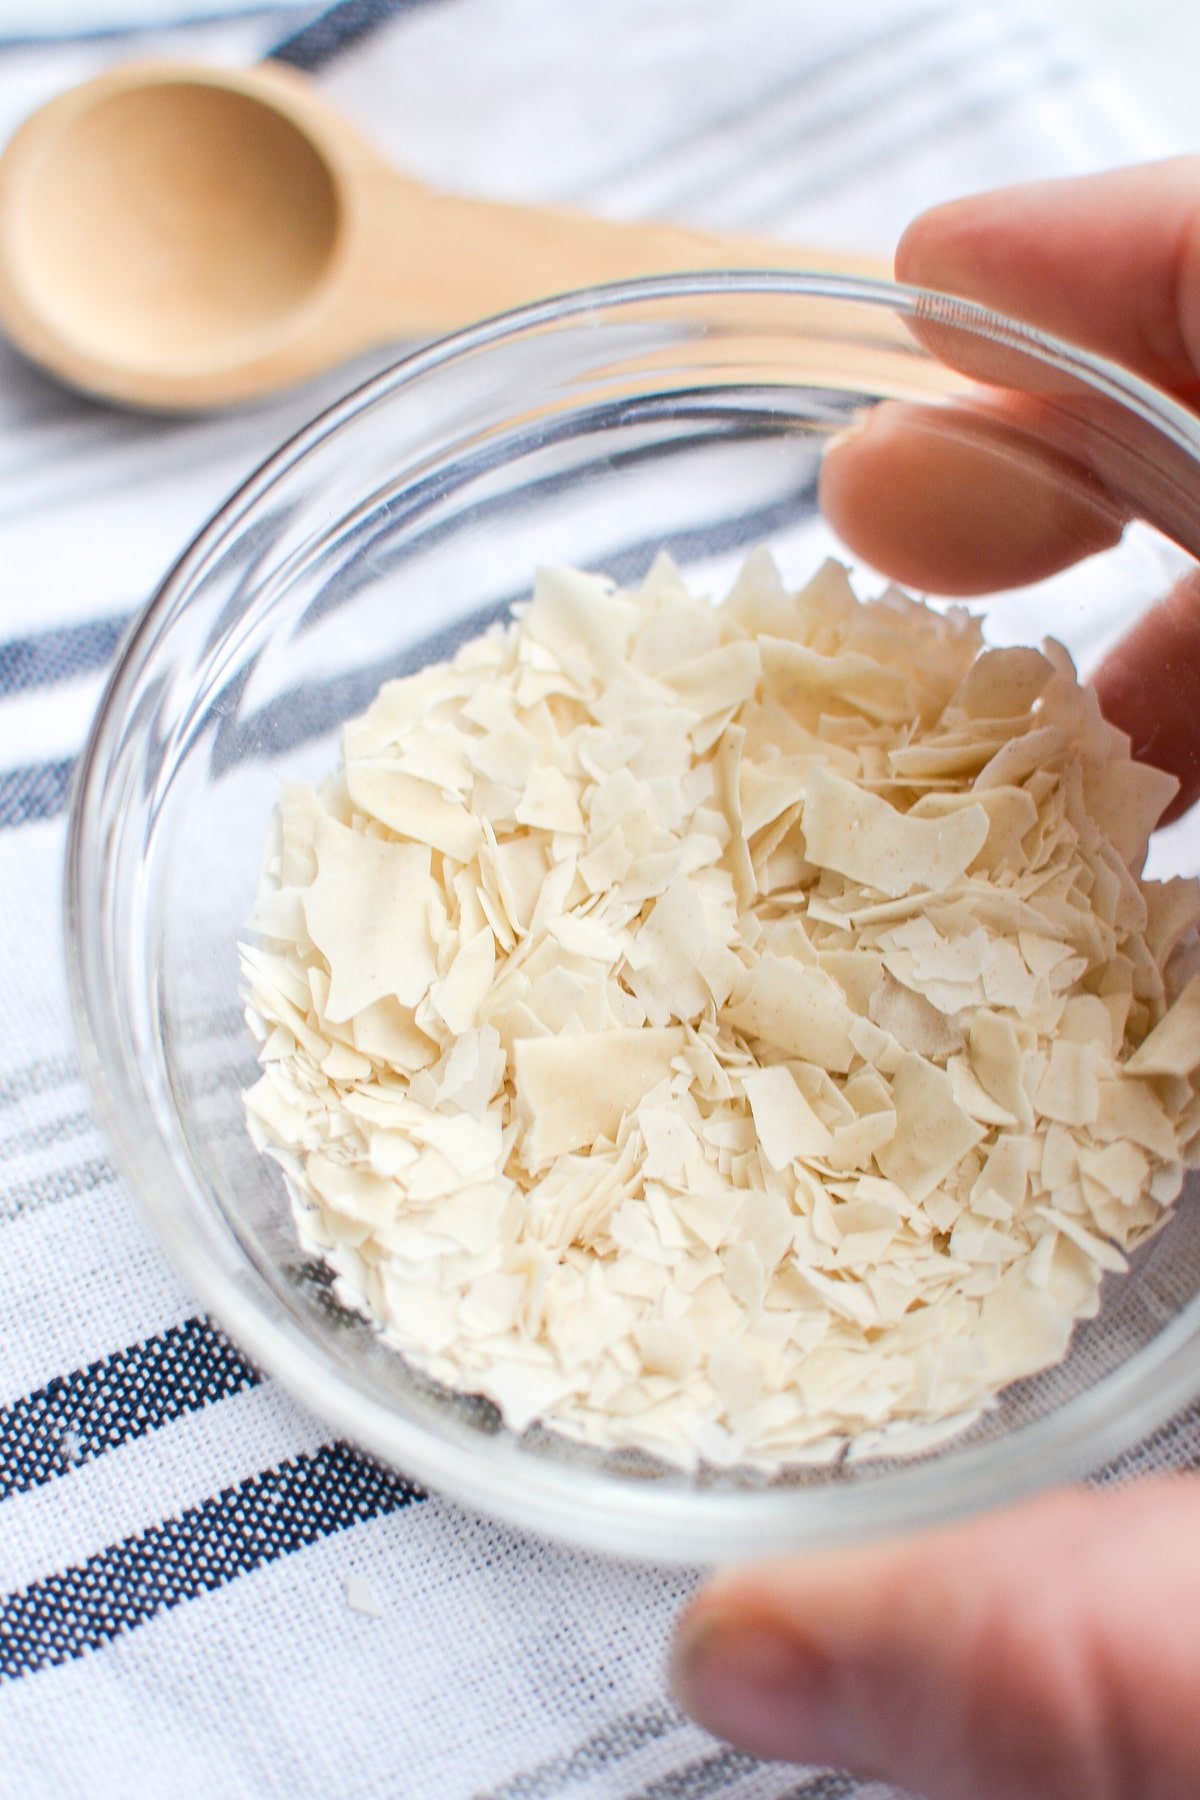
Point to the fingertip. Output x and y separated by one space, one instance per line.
958 501
920 251
906 263
754 1680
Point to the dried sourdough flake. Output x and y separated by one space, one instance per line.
727 1032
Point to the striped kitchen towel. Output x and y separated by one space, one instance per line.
201 1594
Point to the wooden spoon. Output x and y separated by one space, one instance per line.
182 237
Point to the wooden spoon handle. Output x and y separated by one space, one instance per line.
436 262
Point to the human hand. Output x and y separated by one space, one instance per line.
1109 262
1050 1652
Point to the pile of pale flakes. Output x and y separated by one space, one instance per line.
727 1032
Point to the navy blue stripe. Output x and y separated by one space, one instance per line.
714 1774
315 45
40 791
829 1786
310 46
240 1529
77 1417
183 21
615 1742
61 654
718 1772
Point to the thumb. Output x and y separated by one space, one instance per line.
1044 1653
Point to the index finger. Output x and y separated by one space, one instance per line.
1110 262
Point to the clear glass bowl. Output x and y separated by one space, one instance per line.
689 413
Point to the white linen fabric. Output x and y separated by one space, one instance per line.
177 1538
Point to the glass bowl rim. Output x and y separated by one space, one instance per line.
680 1525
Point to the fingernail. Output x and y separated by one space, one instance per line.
762 1688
